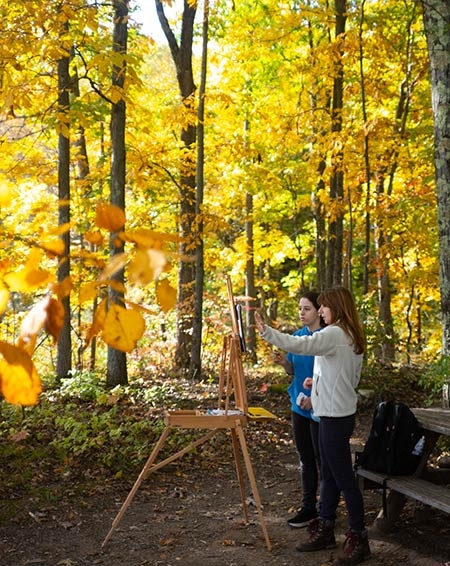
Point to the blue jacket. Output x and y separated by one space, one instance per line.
303 367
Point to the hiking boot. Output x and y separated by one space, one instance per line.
320 536
303 517
355 550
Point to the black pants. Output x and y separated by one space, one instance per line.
337 474
306 432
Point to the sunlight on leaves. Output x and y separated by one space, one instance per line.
147 265
122 328
20 383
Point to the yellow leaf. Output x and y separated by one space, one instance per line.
30 277
109 217
6 195
116 263
55 247
149 238
4 298
147 265
166 295
122 328
88 291
20 383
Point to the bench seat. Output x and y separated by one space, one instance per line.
422 490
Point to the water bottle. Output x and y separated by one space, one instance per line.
418 448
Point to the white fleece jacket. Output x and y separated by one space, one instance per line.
337 369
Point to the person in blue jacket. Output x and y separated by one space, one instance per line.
304 425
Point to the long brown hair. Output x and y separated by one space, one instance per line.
344 314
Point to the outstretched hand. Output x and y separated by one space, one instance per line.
260 325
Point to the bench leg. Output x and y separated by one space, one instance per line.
394 504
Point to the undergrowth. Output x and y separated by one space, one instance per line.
80 431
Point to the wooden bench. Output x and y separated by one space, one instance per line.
428 485
422 490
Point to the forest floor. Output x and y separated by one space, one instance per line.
190 513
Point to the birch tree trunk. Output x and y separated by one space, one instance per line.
436 15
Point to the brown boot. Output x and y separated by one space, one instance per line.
320 536
355 550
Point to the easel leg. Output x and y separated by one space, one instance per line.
251 477
240 475
138 482
150 467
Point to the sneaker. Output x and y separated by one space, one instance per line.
320 536
303 517
355 550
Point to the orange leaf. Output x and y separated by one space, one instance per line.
109 217
122 328
98 322
54 321
166 295
62 289
94 237
20 383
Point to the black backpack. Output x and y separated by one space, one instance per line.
395 441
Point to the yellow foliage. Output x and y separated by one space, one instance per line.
109 217
122 328
166 295
20 383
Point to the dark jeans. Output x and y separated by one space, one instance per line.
305 432
337 474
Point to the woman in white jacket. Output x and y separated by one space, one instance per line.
338 351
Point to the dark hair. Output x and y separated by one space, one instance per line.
312 297
344 314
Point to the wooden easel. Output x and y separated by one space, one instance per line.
231 415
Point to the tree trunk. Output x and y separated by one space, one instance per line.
195 367
117 362
436 15
336 225
182 58
64 355
250 289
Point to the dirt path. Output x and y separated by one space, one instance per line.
190 513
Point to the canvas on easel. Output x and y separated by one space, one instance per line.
232 414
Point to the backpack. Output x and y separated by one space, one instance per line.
395 442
